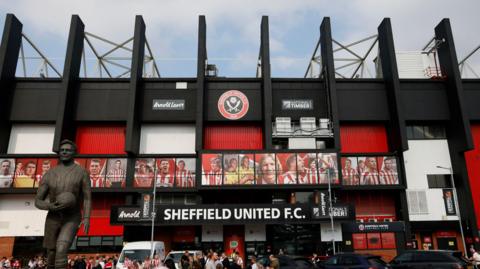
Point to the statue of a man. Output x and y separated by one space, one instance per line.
61 192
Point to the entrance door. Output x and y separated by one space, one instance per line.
447 243
234 240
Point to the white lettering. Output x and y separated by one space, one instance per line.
167 214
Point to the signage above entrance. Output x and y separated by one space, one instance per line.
224 214
233 105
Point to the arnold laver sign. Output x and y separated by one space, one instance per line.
128 214
168 104
297 104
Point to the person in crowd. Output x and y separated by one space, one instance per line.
268 165
16 264
475 258
170 264
274 264
238 259
212 258
32 263
196 262
109 264
79 263
315 259
225 261
90 263
185 260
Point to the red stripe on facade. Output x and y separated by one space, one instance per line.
472 159
223 137
363 138
100 217
94 139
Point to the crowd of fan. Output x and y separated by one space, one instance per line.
210 261
78 262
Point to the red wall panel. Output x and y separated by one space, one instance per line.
97 139
223 137
473 167
363 138
100 217
370 205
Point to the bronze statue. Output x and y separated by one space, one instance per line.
61 191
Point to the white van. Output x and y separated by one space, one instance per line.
139 251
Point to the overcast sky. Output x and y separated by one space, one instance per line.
233 28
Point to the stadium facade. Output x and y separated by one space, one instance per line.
252 164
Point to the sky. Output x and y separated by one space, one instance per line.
233 29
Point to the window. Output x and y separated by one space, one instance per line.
405 257
439 181
349 260
417 202
426 132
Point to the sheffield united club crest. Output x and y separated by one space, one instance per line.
233 105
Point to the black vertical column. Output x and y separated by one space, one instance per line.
65 127
201 62
328 68
266 83
458 128
135 101
132 139
397 135
397 132
199 117
9 50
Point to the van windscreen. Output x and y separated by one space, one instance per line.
134 255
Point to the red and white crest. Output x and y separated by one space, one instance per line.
233 105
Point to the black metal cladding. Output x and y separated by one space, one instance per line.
9 50
65 125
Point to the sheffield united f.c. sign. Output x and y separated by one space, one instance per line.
233 105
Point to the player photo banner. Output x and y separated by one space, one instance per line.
7 169
185 172
96 168
369 170
43 165
269 169
25 173
116 173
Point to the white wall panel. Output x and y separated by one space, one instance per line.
422 159
20 217
167 139
31 138
212 233
255 232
